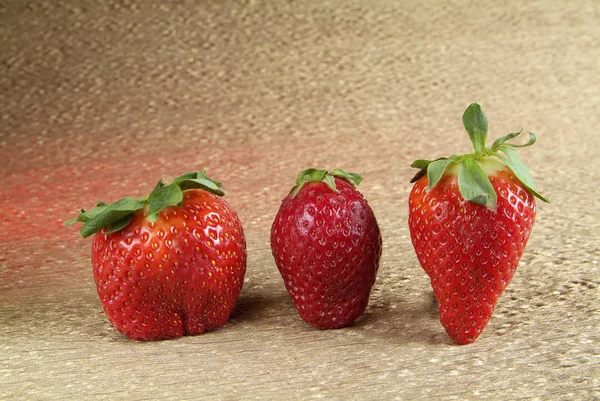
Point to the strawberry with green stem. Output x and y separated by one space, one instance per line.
470 217
169 264
327 246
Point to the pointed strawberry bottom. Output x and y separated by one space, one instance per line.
464 326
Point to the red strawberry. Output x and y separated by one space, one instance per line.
327 246
470 217
169 264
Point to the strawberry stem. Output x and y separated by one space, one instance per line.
474 184
315 175
116 216
476 124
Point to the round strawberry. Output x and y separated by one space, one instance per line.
327 246
169 264
470 217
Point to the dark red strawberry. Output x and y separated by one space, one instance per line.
470 217
327 246
169 264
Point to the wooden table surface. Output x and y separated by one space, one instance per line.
98 100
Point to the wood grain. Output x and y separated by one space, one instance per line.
99 100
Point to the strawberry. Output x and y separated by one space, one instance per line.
470 217
327 245
169 264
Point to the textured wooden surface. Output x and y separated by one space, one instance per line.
100 99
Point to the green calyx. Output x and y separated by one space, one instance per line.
314 175
118 215
473 181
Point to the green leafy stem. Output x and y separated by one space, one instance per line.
118 215
473 182
315 175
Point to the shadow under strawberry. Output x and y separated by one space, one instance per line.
406 322
253 308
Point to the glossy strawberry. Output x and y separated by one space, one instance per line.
327 246
470 217
169 264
